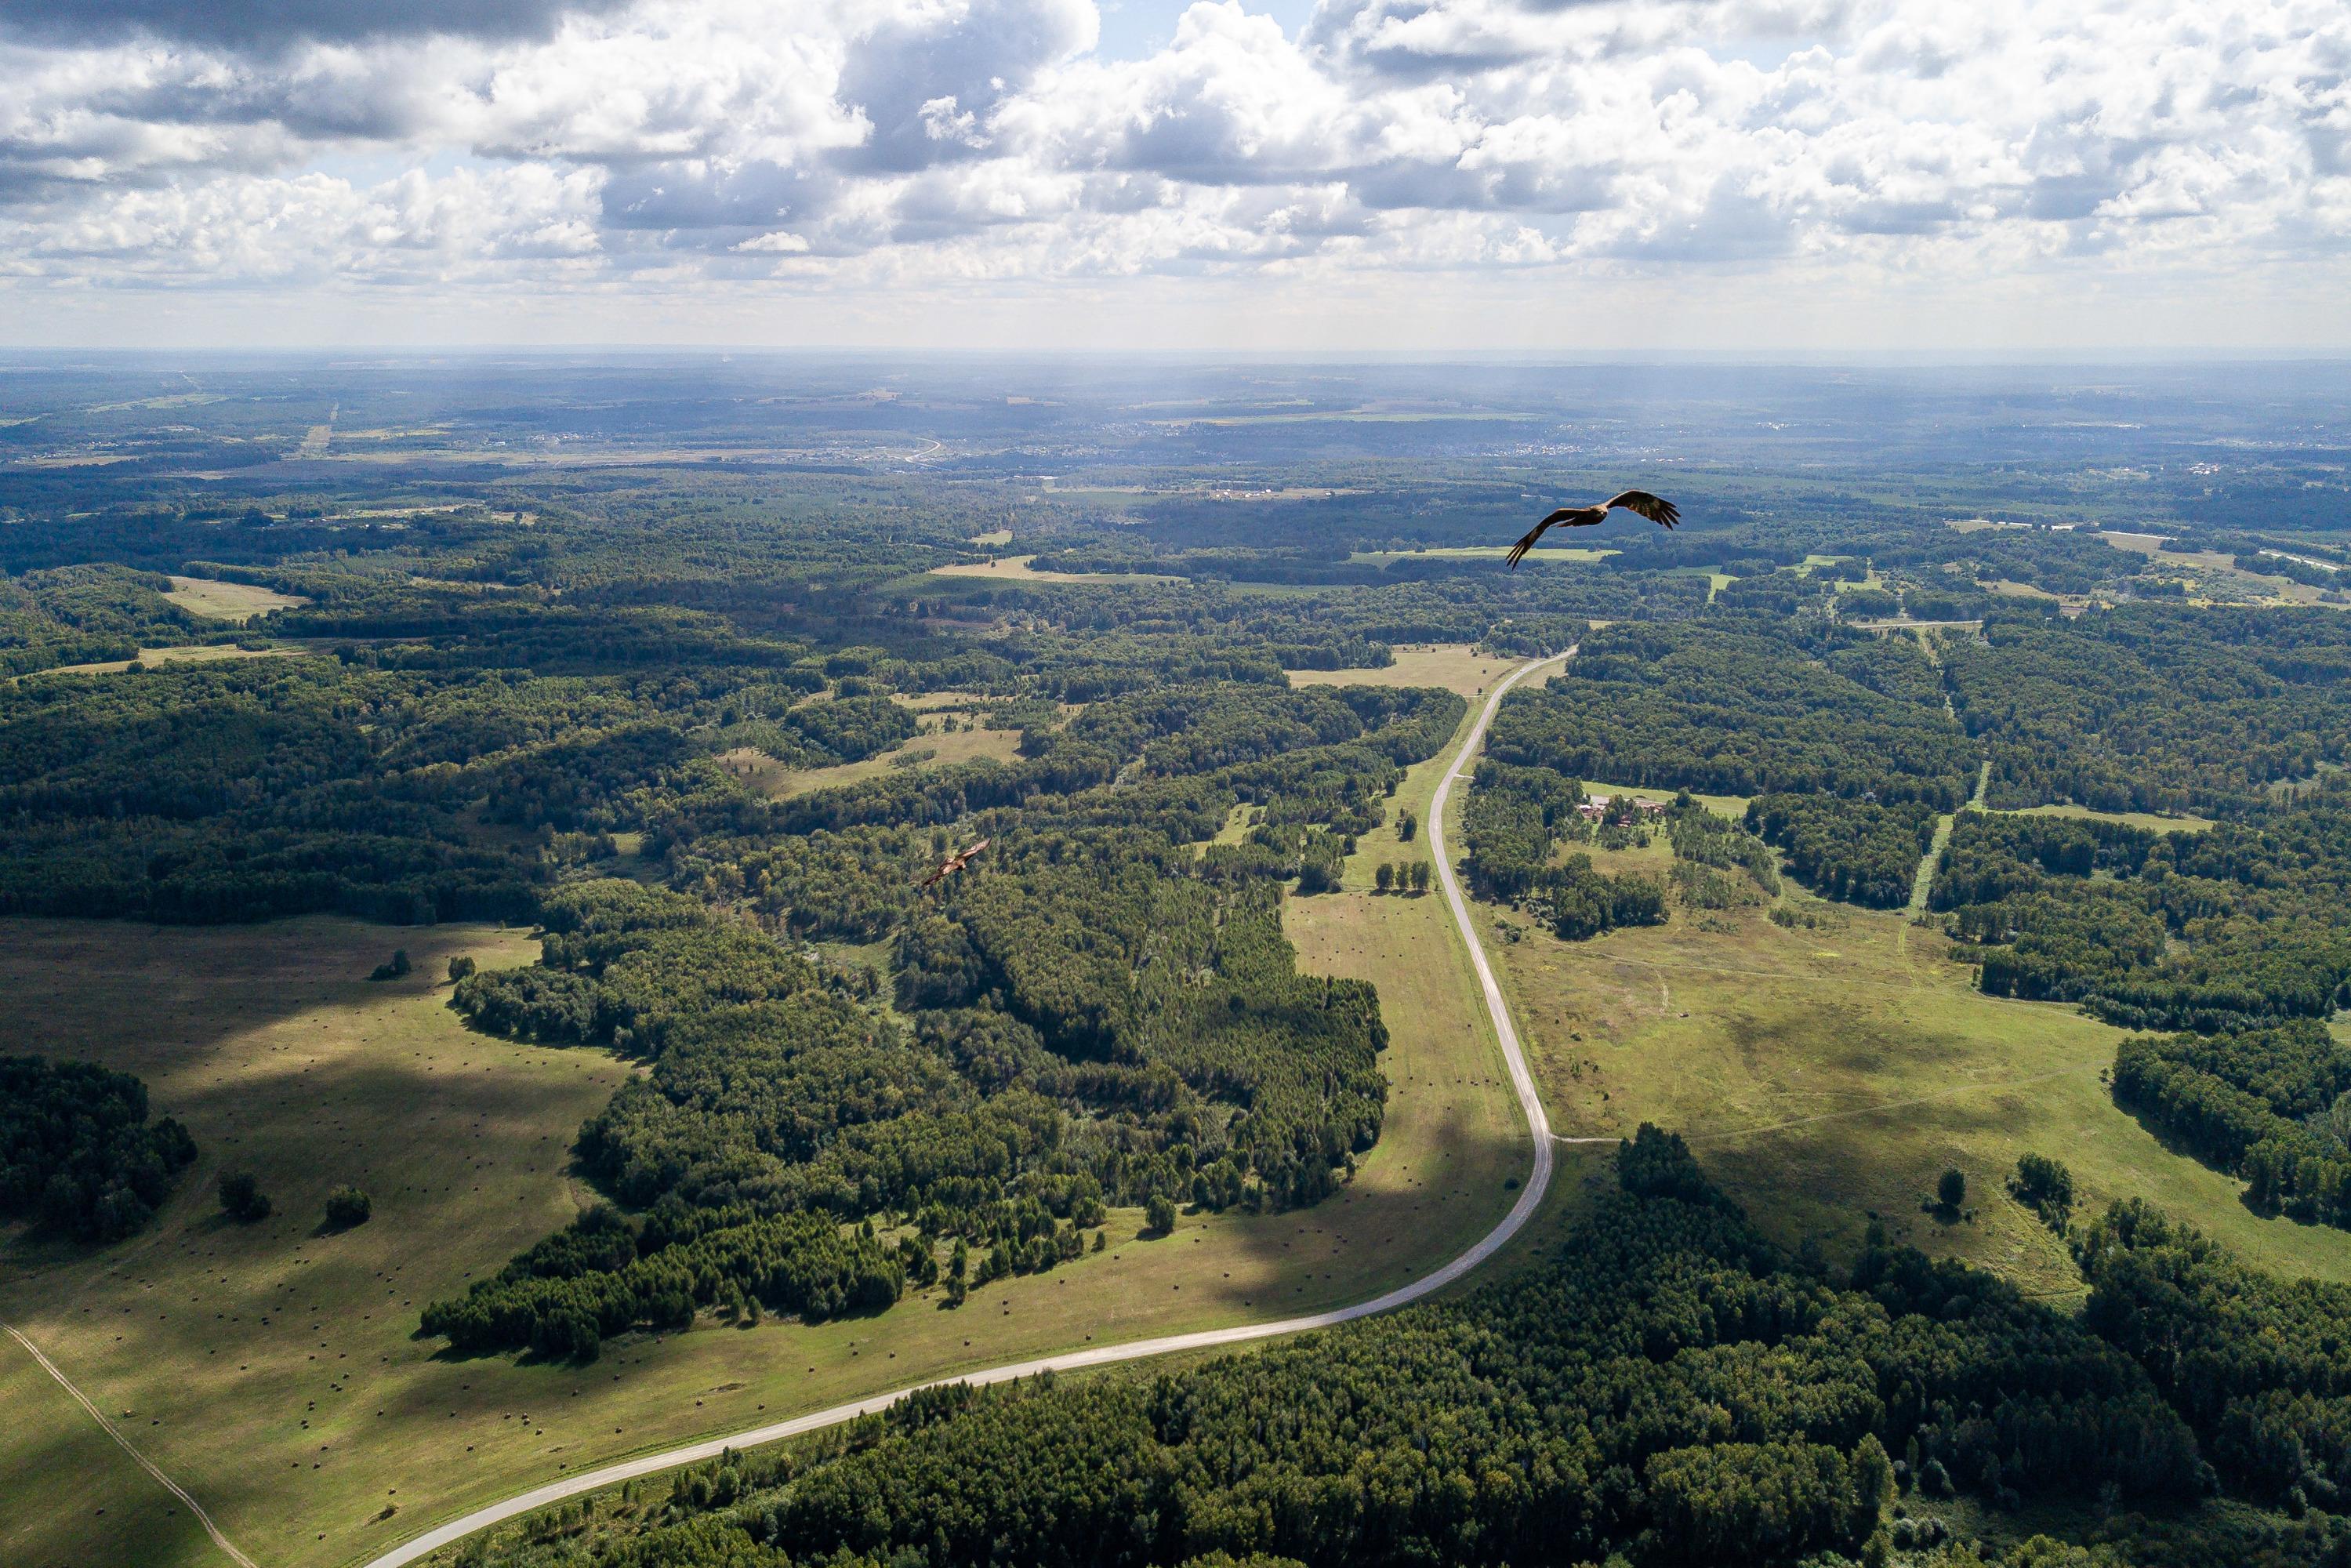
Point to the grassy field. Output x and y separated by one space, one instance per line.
1731 806
1017 567
236 601
271 1370
1455 665
933 748
1825 1074
2183 824
187 654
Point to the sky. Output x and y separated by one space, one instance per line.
1992 176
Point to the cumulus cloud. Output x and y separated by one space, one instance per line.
891 143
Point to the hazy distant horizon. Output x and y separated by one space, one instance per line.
2154 358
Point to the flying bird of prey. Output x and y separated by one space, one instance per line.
952 864
1640 503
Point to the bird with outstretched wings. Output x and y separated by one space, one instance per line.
1640 503
949 866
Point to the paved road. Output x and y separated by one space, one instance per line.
1530 1196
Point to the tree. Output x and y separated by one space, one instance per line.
1159 1214
1385 877
1951 1191
460 966
241 1196
347 1207
394 968
2045 1187
1407 828
1420 876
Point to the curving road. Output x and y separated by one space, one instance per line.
1530 1196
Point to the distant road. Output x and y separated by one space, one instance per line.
1538 1131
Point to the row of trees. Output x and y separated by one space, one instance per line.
562 1298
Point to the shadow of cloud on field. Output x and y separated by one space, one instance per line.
129 1505
1386 1229
197 1013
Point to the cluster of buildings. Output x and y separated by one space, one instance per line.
1596 807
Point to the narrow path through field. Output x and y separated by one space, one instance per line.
144 1463
1529 1197
1922 880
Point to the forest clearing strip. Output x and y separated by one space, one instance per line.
144 1463
1940 1095
1529 1198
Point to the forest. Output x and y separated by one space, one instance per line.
1856 850
2154 708
1740 708
2213 932
1091 1015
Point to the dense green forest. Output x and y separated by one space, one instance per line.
78 1153
1665 1388
1857 850
2229 929
2154 708
1744 707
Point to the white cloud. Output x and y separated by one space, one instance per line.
666 147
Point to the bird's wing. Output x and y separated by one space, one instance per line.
1640 503
1519 551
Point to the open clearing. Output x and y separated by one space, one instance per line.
1455 665
187 654
282 1059
94 1504
935 749
2150 820
1731 806
233 602
1823 1074
1017 568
